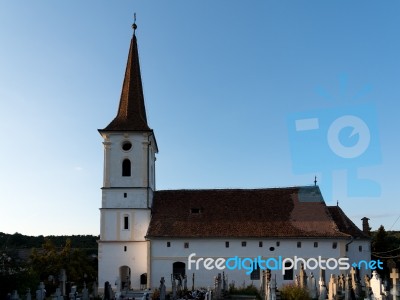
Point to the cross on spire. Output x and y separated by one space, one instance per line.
134 26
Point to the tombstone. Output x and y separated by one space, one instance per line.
268 286
85 292
107 292
355 283
73 293
41 292
273 289
95 290
28 295
312 286
162 289
347 287
377 287
395 291
302 277
332 290
368 291
179 286
57 295
173 287
63 279
322 288
118 284
223 282
14 295
263 282
185 283
217 286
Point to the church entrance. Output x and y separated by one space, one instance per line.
178 269
125 275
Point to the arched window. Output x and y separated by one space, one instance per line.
126 167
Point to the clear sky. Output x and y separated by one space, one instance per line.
225 83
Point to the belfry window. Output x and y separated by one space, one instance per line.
126 222
126 167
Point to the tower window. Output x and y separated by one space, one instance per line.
226 244
244 244
186 245
168 244
125 248
298 244
126 167
260 244
126 222
360 248
315 244
126 146
334 245
278 244
125 195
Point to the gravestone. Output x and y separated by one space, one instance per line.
312 286
95 290
395 291
332 290
73 293
218 286
322 289
162 289
28 295
185 283
355 283
41 292
85 292
368 290
377 287
173 287
347 287
107 291
63 280
303 277
57 295
14 295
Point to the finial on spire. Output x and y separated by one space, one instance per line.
337 202
134 26
315 181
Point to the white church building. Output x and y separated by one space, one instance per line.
146 234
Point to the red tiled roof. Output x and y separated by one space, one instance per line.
275 212
345 224
131 114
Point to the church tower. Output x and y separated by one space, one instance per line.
128 186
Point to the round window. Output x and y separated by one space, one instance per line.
126 146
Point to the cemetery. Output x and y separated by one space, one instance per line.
305 285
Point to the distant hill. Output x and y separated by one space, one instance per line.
18 241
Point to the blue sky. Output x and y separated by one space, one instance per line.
223 82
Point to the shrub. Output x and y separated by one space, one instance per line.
293 292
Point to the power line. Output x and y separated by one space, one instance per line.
395 222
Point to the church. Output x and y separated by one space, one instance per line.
146 234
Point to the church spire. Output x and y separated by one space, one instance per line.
131 114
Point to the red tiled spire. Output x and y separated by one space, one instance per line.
131 114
